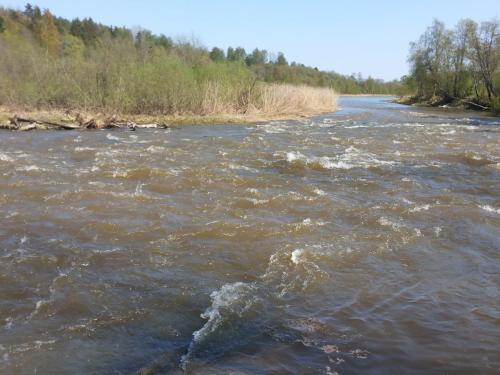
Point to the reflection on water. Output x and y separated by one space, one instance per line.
365 240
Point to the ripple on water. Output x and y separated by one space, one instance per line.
333 244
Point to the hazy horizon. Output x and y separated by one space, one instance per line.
346 37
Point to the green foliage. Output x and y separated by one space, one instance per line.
236 54
459 63
217 55
2 25
73 47
281 60
87 30
33 13
48 34
53 62
257 57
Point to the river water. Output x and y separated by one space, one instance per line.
366 240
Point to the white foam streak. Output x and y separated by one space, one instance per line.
490 209
351 158
6 158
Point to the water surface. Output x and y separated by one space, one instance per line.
361 241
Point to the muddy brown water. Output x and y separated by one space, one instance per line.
366 240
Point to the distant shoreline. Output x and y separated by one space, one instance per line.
455 106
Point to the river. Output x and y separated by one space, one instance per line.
366 240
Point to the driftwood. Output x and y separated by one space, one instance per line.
43 124
8 127
25 124
445 94
474 104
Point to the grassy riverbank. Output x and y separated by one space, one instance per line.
50 65
268 102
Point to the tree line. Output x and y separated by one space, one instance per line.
276 68
462 63
47 60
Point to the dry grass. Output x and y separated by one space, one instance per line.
280 99
267 100
218 105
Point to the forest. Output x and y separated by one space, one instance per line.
51 62
457 65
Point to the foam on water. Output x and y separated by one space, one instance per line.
489 208
112 137
229 304
351 158
383 247
424 207
238 303
6 158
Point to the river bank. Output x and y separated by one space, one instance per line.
99 120
445 104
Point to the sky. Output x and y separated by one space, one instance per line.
356 36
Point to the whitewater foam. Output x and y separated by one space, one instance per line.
237 303
490 209
4 157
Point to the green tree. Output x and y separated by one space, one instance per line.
2 25
48 34
257 57
72 46
87 30
217 55
485 53
33 13
236 54
164 41
281 60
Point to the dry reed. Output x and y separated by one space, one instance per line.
267 100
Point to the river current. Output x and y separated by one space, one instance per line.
362 241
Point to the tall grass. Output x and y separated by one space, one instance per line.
289 99
267 99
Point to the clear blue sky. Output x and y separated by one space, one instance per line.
353 36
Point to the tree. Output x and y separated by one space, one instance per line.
72 46
236 54
87 30
164 41
281 60
257 57
2 25
431 54
460 46
458 63
32 12
217 55
121 32
48 34
485 42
